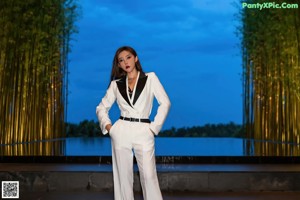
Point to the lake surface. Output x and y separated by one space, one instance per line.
165 146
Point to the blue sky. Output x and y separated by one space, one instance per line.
191 45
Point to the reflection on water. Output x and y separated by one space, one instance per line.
101 146
55 147
165 146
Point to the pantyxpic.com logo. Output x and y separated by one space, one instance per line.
269 5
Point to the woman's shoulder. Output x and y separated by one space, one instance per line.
150 74
115 82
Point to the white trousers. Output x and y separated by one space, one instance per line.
128 137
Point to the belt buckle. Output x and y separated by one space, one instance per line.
132 119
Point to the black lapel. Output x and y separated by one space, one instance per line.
122 89
140 86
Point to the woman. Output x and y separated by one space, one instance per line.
134 92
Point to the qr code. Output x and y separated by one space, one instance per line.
10 189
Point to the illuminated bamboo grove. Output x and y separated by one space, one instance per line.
270 41
34 45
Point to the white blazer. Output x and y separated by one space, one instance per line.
140 105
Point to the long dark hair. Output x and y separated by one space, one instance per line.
116 71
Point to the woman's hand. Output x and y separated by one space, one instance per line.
108 127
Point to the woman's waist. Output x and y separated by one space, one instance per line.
134 115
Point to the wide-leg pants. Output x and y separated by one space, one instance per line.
128 138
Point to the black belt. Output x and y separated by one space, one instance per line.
135 119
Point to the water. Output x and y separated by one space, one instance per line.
165 146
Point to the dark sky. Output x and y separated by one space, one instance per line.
191 45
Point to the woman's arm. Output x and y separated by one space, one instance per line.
104 106
164 104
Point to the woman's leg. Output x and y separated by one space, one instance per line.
122 157
145 156
122 173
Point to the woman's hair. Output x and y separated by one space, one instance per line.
116 71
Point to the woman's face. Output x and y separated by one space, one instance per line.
127 61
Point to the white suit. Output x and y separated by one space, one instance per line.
131 135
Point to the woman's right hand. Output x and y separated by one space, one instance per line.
108 127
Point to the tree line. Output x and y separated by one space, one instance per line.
90 128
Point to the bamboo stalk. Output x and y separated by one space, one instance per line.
32 74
